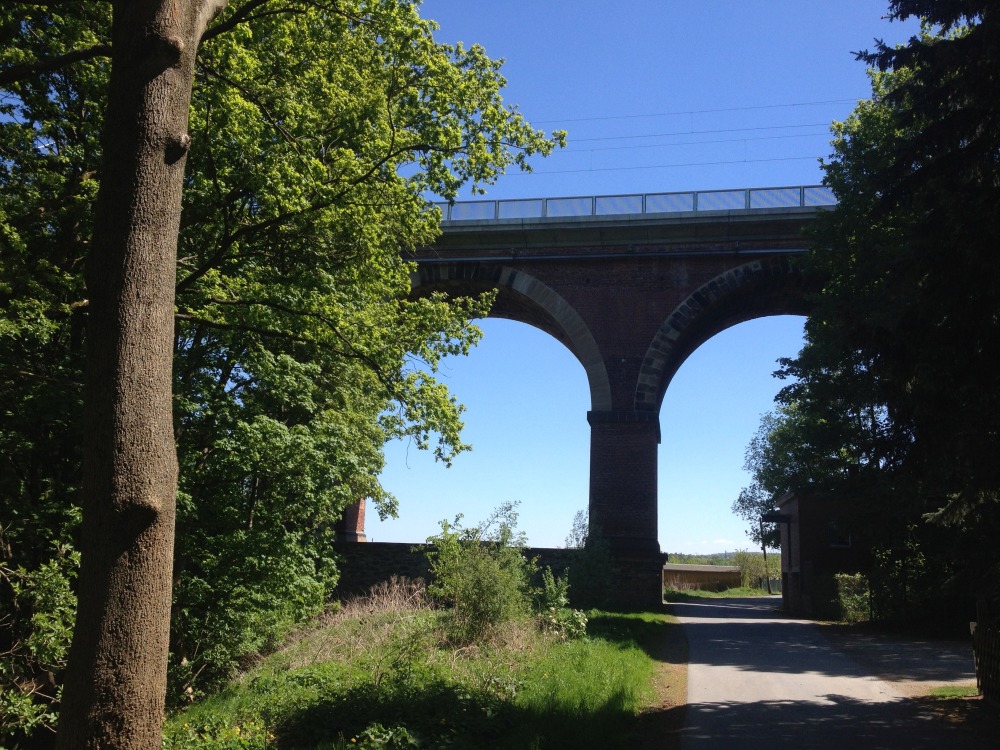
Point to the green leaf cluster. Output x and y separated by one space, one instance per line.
319 132
38 613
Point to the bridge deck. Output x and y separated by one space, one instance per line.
732 221
533 210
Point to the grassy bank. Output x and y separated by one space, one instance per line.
382 674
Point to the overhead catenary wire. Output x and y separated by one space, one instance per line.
754 134
663 166
699 132
681 112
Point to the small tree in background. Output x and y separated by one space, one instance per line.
752 504
754 568
580 531
590 574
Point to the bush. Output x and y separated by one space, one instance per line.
481 574
239 595
853 597
555 590
554 616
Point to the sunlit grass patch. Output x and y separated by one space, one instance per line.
672 595
951 692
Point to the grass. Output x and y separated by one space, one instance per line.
383 675
672 595
963 707
954 692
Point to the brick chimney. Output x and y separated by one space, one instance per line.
351 528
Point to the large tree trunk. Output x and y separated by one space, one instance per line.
116 680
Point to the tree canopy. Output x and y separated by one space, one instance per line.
895 395
317 131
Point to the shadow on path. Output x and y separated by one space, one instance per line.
757 679
841 723
766 640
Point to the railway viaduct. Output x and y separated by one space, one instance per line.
631 285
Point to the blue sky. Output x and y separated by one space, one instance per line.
656 96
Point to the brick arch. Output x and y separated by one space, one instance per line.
758 289
525 299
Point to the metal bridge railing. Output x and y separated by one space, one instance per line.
639 203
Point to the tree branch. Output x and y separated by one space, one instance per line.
17 73
350 352
242 15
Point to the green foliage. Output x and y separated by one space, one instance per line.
688 595
553 603
37 611
566 624
895 403
853 597
220 734
754 572
390 738
554 591
529 691
752 505
480 574
317 131
716 558
905 586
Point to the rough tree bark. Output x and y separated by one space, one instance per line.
116 679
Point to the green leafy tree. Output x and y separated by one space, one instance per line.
897 380
289 348
909 252
754 501
752 505
756 569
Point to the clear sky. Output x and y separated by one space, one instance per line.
656 95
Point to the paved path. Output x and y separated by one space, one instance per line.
760 680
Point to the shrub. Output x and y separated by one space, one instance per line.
553 601
853 597
481 574
904 588
554 591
